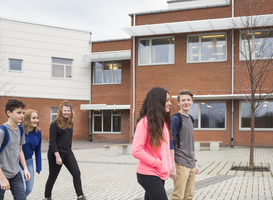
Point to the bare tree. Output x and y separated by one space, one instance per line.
254 74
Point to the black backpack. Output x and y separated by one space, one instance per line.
180 126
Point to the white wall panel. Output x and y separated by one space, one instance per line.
36 45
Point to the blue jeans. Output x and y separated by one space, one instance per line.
28 185
16 187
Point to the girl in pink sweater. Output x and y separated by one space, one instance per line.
151 144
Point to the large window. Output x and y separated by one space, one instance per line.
260 45
209 115
61 68
263 116
107 72
156 51
107 121
15 65
207 48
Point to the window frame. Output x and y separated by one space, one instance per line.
249 129
65 65
112 71
200 47
11 70
241 57
102 132
199 116
150 51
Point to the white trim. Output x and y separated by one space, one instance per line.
104 107
199 25
225 96
107 56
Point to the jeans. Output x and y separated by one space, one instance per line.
16 187
28 185
71 164
153 186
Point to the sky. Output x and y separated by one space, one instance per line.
104 18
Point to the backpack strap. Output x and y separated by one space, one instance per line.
192 119
6 137
21 128
178 130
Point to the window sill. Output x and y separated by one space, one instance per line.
210 129
108 133
256 129
154 64
208 61
106 84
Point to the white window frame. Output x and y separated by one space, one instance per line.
248 129
241 57
94 67
199 116
110 132
150 51
11 70
200 47
53 113
65 65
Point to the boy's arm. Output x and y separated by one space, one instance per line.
196 165
23 163
175 126
173 171
3 181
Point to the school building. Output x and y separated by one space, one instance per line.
191 45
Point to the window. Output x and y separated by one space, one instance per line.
156 51
61 68
207 48
107 72
209 115
107 121
260 45
54 113
15 65
263 115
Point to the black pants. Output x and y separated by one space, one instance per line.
153 186
71 164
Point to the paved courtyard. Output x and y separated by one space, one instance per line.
114 177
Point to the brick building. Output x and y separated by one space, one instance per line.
189 45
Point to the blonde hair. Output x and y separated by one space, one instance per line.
62 122
26 121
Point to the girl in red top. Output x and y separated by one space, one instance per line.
151 144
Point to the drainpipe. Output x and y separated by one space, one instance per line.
90 112
134 80
232 79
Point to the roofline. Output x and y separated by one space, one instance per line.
48 25
180 9
111 40
228 96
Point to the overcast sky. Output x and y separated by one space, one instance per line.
103 18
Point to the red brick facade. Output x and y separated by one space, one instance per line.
43 106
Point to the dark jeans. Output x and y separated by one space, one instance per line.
71 164
153 186
17 188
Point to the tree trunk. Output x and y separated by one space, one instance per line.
251 156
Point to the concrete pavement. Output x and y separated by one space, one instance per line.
114 177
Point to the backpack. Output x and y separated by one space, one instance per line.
6 135
180 126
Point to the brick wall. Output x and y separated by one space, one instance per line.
111 46
43 106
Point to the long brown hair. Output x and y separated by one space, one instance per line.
26 121
154 108
62 122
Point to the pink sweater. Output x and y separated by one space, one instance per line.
156 162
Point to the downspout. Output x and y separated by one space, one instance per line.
134 80
90 112
232 79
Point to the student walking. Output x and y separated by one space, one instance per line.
60 152
151 144
12 137
33 139
184 166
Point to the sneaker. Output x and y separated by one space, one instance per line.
82 197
